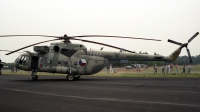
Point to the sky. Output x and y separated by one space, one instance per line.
155 19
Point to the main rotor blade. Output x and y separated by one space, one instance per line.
189 56
10 51
115 37
30 46
174 42
27 35
79 36
5 50
193 37
103 44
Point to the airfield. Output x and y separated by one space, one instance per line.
99 94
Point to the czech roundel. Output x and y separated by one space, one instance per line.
82 62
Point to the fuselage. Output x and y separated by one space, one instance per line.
76 59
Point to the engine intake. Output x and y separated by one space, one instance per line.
41 49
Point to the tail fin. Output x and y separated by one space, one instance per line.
175 54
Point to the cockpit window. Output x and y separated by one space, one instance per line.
26 60
23 59
17 60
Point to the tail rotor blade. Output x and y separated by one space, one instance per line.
174 42
190 58
193 37
10 51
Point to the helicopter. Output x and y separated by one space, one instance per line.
76 60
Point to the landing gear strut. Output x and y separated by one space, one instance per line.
33 75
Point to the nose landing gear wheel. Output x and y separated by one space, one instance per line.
70 77
35 77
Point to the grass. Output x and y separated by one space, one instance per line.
122 72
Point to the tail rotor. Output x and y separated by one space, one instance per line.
185 45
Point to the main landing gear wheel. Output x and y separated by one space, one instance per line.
70 77
35 77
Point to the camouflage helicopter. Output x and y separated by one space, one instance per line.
75 60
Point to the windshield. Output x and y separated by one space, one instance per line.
23 59
17 60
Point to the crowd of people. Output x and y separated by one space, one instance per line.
169 68
166 69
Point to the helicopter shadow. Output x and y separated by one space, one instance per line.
57 80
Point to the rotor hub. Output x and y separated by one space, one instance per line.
185 45
65 38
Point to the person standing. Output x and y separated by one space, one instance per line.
163 69
188 69
108 67
169 70
183 70
139 68
176 67
155 69
111 70
1 66
16 69
114 70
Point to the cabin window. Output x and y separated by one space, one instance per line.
75 63
67 52
66 62
59 62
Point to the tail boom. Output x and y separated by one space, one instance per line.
174 54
